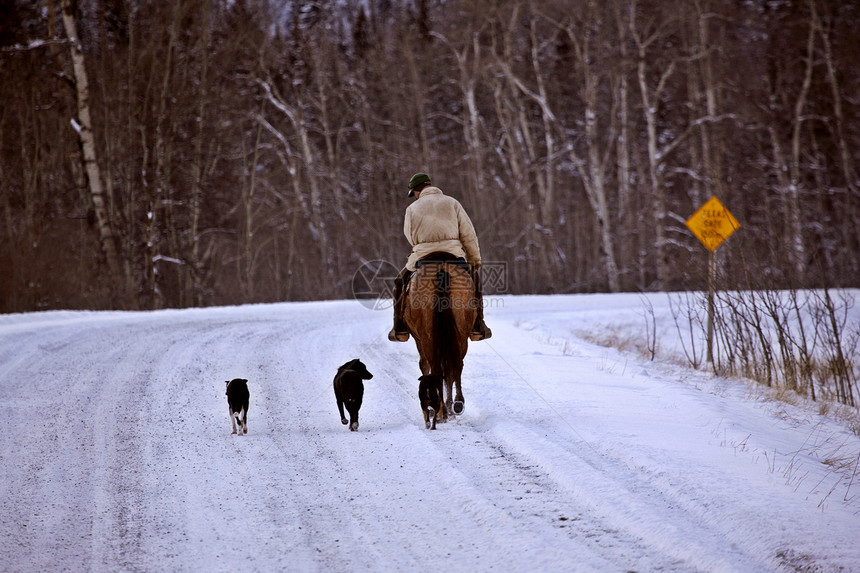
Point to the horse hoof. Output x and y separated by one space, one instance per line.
458 407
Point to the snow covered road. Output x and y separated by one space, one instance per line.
117 452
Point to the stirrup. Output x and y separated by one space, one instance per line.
395 336
483 334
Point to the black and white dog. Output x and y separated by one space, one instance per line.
349 390
432 401
237 399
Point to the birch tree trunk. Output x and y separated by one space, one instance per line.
468 60
797 247
84 128
622 153
526 143
659 147
650 100
303 159
325 86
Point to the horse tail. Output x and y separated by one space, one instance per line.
444 326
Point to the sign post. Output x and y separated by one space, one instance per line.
712 224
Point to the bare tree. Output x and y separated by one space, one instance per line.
530 152
793 191
594 164
224 155
651 97
846 157
84 128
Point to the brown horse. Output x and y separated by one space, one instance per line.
440 310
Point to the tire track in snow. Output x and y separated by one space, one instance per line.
158 484
441 505
565 483
504 490
174 478
246 501
619 507
497 493
139 495
660 523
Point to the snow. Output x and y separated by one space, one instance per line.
117 452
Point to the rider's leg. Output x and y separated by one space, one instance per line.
399 332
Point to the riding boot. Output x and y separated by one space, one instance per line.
480 331
400 332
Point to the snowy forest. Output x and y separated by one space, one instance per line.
203 152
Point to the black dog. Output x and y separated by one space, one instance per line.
432 403
237 399
349 390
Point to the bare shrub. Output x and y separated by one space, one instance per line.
801 341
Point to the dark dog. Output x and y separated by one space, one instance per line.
432 402
237 399
349 390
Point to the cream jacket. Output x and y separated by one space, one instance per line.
436 222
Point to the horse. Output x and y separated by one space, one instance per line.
440 310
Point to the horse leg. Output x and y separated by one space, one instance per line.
449 398
459 405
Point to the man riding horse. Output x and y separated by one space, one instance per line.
436 223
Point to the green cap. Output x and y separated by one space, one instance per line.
418 181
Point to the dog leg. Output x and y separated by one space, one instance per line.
343 419
232 420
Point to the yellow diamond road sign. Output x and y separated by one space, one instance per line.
712 224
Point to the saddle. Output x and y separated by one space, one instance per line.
438 258
479 332
443 257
